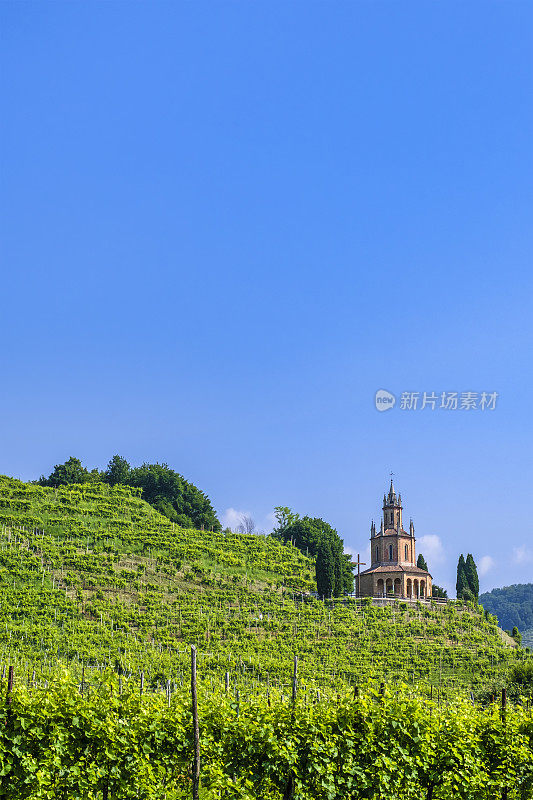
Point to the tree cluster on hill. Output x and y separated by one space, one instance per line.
513 605
313 536
162 487
467 586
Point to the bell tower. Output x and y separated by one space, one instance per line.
392 510
391 545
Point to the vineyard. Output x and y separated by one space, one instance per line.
101 598
93 577
108 740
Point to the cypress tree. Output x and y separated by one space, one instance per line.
421 562
338 589
325 569
472 576
462 583
348 579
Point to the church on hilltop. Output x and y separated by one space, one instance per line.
393 571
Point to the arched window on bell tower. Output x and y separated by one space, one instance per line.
406 553
390 552
377 555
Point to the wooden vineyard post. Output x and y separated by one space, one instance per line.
10 680
289 787
504 715
226 681
196 729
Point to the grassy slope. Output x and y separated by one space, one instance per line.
93 575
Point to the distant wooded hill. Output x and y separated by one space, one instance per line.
513 605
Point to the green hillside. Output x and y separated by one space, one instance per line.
93 576
513 605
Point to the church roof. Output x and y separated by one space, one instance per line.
395 532
396 568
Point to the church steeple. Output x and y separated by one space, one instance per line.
392 510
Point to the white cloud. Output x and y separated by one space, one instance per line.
431 548
522 555
232 517
486 563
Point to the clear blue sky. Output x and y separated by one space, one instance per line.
225 225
